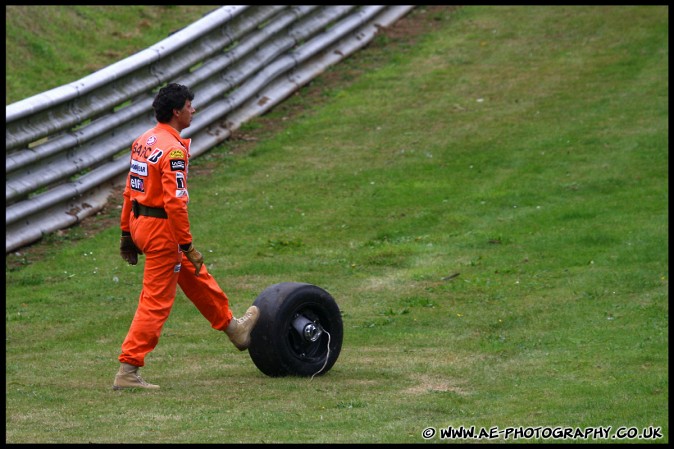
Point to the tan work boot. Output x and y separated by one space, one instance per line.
128 377
239 329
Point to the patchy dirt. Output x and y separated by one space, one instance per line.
401 35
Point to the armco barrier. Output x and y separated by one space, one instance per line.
67 148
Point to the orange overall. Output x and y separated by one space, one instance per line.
158 179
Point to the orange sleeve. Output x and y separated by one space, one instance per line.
174 187
126 208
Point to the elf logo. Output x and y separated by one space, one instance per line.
136 184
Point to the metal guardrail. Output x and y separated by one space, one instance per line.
67 148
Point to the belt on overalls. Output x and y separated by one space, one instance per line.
140 209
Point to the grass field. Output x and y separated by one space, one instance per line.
488 207
39 55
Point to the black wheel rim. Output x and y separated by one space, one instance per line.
305 350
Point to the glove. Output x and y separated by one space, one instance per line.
128 250
195 257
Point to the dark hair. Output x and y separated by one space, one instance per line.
170 97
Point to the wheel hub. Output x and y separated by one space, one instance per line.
307 329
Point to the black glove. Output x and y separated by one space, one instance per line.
195 257
128 250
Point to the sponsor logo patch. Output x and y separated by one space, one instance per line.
177 165
139 168
137 184
177 154
154 157
151 141
182 192
176 268
180 180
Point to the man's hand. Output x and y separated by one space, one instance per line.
128 250
195 257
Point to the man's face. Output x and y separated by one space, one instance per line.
185 115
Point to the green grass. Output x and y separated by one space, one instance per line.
44 46
487 206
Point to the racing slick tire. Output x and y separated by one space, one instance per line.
299 331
